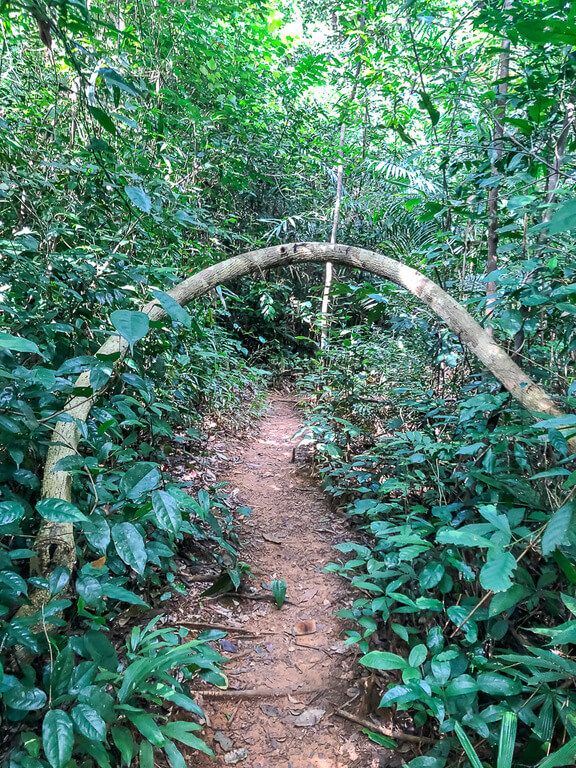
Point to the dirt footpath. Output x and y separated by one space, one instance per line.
293 667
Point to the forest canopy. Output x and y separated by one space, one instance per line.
141 142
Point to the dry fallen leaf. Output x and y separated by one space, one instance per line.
231 758
305 627
309 718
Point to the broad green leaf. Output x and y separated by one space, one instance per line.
383 660
166 511
504 601
101 650
97 532
88 722
148 727
563 218
132 326
175 757
462 538
123 595
141 478
431 575
124 742
182 730
60 511
146 755
507 740
104 119
130 546
172 308
498 685
10 512
556 532
418 655
17 343
139 198
496 573
461 686
25 699
379 738
57 737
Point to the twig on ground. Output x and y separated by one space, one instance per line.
253 693
223 627
398 735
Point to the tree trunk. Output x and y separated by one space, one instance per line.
329 269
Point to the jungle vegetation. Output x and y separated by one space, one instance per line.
141 142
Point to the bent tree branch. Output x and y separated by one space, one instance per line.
55 544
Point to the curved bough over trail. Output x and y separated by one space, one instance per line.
290 671
55 541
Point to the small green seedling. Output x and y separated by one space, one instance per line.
279 591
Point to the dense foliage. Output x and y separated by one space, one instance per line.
141 142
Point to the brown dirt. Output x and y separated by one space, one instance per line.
288 536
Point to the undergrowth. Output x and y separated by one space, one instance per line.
465 613
74 688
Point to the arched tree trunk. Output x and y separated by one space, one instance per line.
55 542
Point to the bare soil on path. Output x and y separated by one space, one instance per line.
297 651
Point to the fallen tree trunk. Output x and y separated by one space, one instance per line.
55 544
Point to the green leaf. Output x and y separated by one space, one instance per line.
496 573
498 685
175 757
166 511
130 546
88 722
123 595
17 343
556 532
10 512
25 699
139 198
461 686
426 103
383 660
172 308
101 650
13 582
504 601
564 756
431 575
124 742
141 478
104 119
379 738
57 737
181 730
60 511
147 726
471 753
507 740
462 538
563 218
418 655
132 326
279 592
146 755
